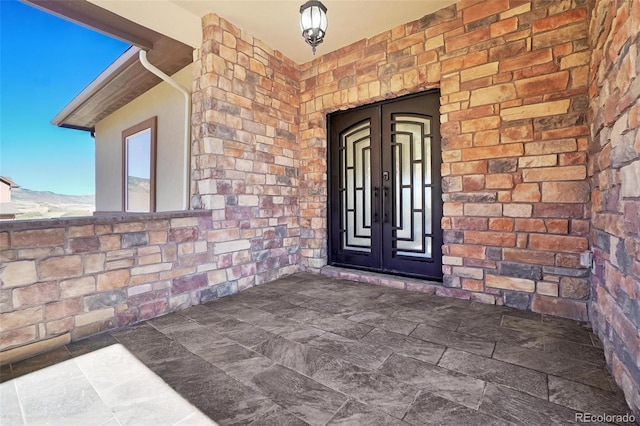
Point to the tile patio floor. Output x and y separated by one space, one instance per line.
308 349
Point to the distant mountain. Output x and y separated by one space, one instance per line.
30 204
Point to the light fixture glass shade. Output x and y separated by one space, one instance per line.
313 22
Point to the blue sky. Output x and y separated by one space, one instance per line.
45 62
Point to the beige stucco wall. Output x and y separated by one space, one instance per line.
5 193
167 104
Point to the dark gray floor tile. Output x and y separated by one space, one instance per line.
294 355
549 329
224 354
278 416
499 334
173 322
343 327
303 334
329 307
305 398
224 399
441 316
357 352
200 340
384 321
39 362
522 409
355 413
404 345
400 297
462 389
244 333
281 308
586 353
500 310
585 398
244 370
453 339
556 364
203 315
491 370
430 409
91 344
249 313
370 387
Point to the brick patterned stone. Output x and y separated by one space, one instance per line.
614 163
60 267
15 274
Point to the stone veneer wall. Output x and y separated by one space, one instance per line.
62 280
614 165
513 77
245 151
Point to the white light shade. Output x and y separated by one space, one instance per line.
313 22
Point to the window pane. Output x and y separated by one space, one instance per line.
138 156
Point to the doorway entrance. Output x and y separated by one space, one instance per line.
385 193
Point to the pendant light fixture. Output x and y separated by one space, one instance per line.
313 22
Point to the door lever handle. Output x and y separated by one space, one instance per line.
376 204
385 197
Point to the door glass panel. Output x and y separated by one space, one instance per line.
355 187
411 149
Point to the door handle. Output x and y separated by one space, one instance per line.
376 204
385 197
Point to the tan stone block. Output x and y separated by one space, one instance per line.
528 60
57 327
479 124
567 308
551 147
113 279
128 227
537 161
499 181
4 240
18 273
565 192
483 209
38 238
496 151
469 167
575 288
555 173
150 269
81 231
94 316
493 94
20 318
558 243
630 177
524 8
575 60
479 71
517 210
542 84
63 308
526 192
60 267
561 35
35 294
77 287
434 42
542 109
559 20
516 134
510 283
547 288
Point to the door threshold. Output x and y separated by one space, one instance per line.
394 281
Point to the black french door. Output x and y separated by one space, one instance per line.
385 194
